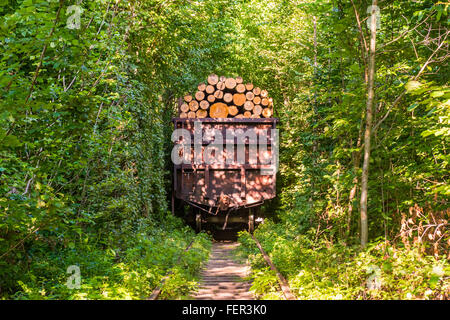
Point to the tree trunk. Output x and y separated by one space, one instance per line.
368 130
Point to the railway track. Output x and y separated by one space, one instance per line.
223 278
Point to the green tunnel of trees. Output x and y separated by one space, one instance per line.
87 92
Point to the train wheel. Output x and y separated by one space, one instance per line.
251 221
198 222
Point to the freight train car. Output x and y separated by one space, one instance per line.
224 168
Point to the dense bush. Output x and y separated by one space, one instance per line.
319 269
129 273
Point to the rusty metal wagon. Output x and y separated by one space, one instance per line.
225 193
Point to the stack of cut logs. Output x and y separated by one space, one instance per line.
224 97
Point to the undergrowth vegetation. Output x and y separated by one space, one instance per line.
320 269
129 272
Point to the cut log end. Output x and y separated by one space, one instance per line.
257 110
218 110
233 110
239 99
199 95
184 107
230 83
201 86
218 94
267 112
210 89
248 105
204 105
240 88
220 85
213 79
228 97
193 105
201 113
191 115
211 98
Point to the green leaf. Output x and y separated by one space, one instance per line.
412 107
11 141
412 85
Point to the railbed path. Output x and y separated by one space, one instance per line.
223 278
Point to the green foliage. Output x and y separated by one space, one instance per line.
85 140
324 270
83 144
131 273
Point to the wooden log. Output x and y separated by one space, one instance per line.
239 80
218 94
183 115
211 98
222 78
248 105
249 86
257 100
257 109
220 85
213 79
188 98
193 105
255 116
233 110
265 102
239 99
239 116
228 97
240 88
201 113
264 93
218 110
270 102
250 95
247 114
204 105
201 86
230 83
191 115
257 91
184 107
210 89
199 95
267 112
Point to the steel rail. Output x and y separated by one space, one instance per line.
281 279
157 291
